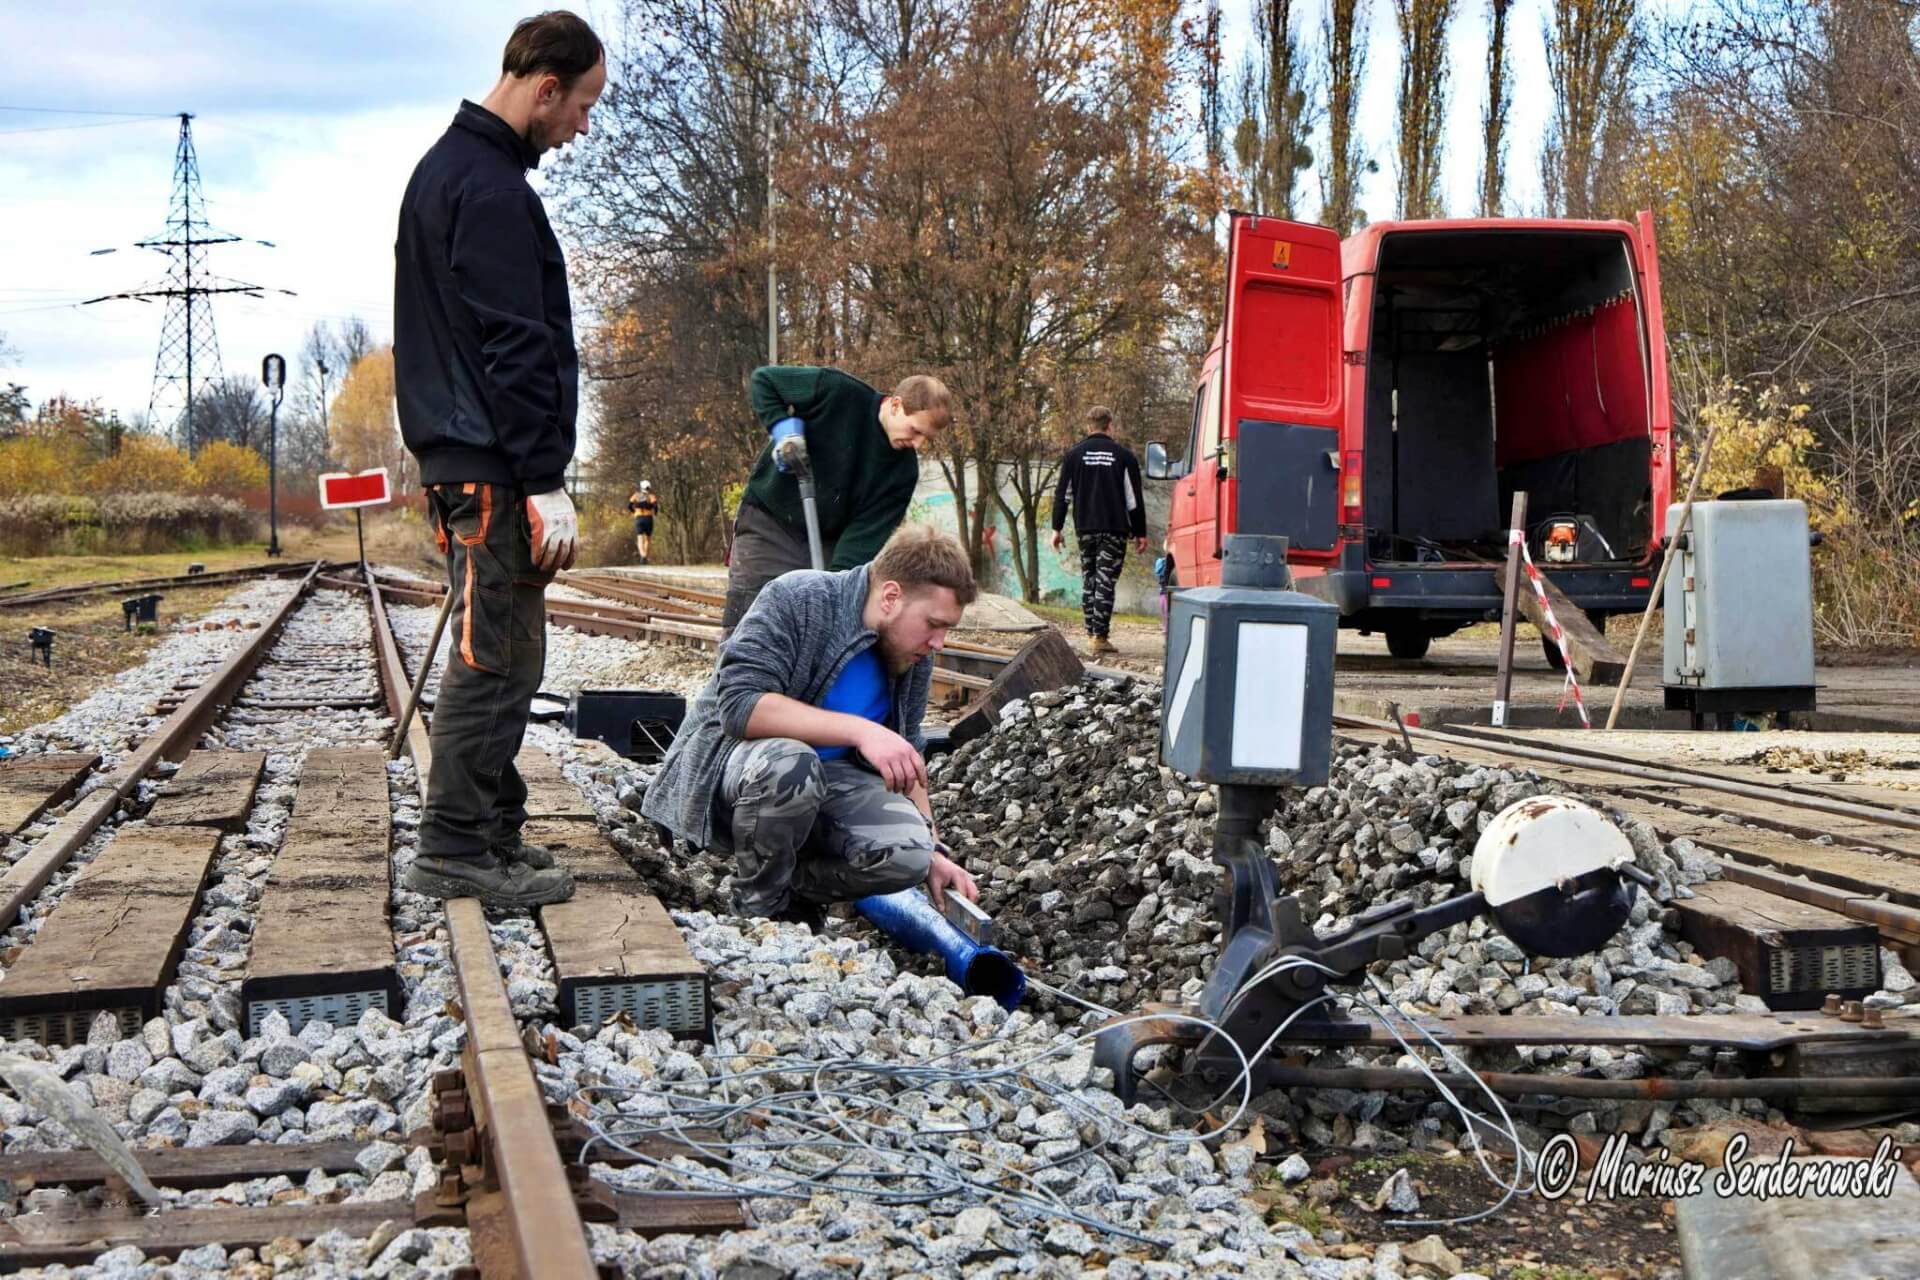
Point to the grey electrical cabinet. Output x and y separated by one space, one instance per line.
1739 609
1248 694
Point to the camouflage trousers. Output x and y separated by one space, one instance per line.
827 831
1101 555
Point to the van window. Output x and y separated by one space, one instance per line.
1207 427
1184 466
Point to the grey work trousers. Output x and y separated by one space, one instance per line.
763 549
476 799
828 831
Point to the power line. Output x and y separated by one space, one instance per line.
96 124
86 111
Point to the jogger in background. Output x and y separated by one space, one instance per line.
1100 483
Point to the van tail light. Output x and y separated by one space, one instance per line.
1641 582
1350 465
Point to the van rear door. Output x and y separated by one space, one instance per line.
1285 395
1659 401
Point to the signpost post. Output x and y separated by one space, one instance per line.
273 374
356 489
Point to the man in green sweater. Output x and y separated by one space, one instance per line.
862 447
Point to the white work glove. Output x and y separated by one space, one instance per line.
555 530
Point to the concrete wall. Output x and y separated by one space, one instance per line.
1059 570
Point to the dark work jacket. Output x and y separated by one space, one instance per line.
1100 481
796 640
484 366
863 485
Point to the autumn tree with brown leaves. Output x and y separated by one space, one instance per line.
1270 139
1343 34
365 423
1591 49
1493 121
1422 104
982 189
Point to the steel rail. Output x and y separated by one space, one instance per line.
542 1226
1513 1085
1650 773
173 740
128 586
1785 785
714 599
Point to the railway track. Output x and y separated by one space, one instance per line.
500 1160
249 908
1814 876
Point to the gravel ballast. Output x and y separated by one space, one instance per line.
1095 862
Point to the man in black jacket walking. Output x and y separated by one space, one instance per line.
1100 481
487 381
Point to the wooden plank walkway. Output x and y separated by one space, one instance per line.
323 947
614 947
31 785
38 1240
112 942
211 789
185 1167
1790 954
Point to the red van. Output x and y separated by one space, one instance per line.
1379 400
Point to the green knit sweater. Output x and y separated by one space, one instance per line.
861 482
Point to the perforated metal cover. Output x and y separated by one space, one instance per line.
1834 968
66 1028
678 1005
342 1009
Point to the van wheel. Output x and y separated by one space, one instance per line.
1552 650
1408 643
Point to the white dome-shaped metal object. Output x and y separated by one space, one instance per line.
1542 841
1527 862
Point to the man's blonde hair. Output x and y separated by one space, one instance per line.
923 391
918 556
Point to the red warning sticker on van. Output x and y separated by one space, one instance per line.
1282 254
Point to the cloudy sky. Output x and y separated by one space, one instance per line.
308 120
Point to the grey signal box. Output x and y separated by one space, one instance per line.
1248 694
1739 610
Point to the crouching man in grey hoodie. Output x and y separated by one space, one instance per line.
802 756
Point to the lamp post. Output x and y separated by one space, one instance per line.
273 373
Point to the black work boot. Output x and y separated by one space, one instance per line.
537 856
496 883
800 910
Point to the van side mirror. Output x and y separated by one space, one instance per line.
1157 468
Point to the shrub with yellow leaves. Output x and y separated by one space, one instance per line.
1866 580
228 470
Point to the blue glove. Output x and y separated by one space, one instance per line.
781 430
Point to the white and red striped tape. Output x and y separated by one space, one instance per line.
1516 538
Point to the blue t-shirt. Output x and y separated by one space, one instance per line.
860 690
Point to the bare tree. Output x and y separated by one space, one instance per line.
231 410
1422 103
1210 95
1343 35
1276 112
1591 49
1493 124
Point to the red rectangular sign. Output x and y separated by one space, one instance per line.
354 489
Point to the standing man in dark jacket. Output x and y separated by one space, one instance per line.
1100 481
863 448
487 382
